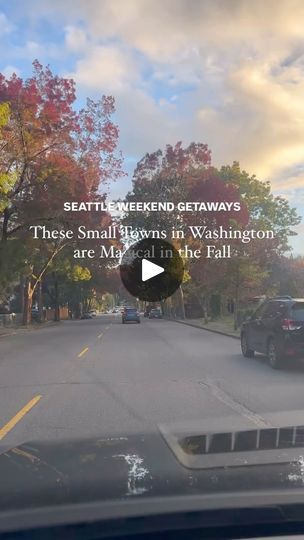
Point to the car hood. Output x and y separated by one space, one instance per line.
38 474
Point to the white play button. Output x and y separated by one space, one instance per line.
150 270
147 280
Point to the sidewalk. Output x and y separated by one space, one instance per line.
19 329
222 326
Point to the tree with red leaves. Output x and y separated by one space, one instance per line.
181 174
54 153
186 174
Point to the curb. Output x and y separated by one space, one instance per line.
222 333
8 334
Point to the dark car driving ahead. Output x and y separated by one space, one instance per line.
155 313
130 314
276 329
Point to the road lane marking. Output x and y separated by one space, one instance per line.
85 350
100 335
13 421
107 327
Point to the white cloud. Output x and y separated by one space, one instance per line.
236 68
290 181
143 126
6 27
75 38
163 29
237 55
9 70
107 68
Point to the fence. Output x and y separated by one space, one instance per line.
63 312
15 319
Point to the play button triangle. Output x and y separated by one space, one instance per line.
150 270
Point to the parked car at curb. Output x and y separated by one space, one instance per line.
147 311
276 329
87 315
35 314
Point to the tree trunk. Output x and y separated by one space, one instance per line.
6 216
40 304
57 308
21 294
182 304
167 307
28 300
81 310
206 309
221 307
236 308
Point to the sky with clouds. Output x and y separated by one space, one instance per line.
229 73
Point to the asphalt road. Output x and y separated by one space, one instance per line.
96 377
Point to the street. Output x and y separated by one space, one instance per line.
95 377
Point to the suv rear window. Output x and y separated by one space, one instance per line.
297 311
274 309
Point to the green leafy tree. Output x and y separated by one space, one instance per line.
7 179
266 211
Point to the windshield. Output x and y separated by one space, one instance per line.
151 246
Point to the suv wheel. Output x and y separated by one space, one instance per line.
248 353
275 360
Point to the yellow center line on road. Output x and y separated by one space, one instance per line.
13 421
85 350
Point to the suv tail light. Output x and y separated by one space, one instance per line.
289 324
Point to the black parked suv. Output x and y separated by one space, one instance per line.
277 329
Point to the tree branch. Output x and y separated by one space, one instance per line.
24 225
47 264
